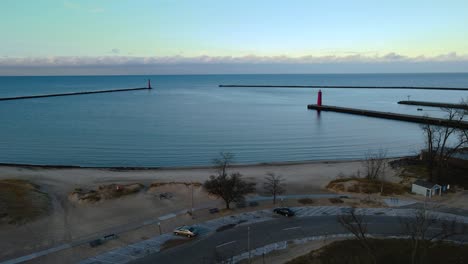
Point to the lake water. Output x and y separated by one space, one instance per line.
187 120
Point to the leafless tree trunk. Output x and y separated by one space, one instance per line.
274 185
223 162
425 228
375 164
358 227
441 144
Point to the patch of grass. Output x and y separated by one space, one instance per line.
364 185
340 180
21 201
305 201
174 243
110 191
225 227
335 200
339 187
394 188
369 202
117 190
354 188
158 184
387 251
415 170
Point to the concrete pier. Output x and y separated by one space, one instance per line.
345 86
435 104
70 94
388 115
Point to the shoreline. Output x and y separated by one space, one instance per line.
189 167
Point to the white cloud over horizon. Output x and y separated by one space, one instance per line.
115 64
204 59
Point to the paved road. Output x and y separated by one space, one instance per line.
223 245
440 207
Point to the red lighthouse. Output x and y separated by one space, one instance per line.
319 98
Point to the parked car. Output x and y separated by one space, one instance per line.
187 231
284 211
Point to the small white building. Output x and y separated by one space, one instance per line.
426 188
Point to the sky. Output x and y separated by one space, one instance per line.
56 37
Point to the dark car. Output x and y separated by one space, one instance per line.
284 211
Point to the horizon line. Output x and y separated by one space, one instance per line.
221 74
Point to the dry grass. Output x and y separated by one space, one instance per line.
105 192
335 200
387 251
363 185
174 243
225 227
419 171
339 187
21 201
305 201
158 184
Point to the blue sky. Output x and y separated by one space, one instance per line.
149 34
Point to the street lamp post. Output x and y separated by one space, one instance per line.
192 199
248 242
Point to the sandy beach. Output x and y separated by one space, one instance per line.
70 220
306 176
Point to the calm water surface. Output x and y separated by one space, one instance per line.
187 120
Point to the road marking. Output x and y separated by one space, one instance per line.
225 244
291 228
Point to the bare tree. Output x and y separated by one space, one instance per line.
355 224
375 164
274 185
230 188
442 142
223 162
425 228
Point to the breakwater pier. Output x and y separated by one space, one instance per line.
345 86
73 93
393 116
435 104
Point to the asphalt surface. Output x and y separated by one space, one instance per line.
223 245
440 208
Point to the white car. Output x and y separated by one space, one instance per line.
187 231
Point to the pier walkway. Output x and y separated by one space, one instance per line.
394 116
345 86
70 94
435 104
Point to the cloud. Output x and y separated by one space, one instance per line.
250 64
392 56
248 59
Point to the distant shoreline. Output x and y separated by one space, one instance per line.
345 87
263 73
143 168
